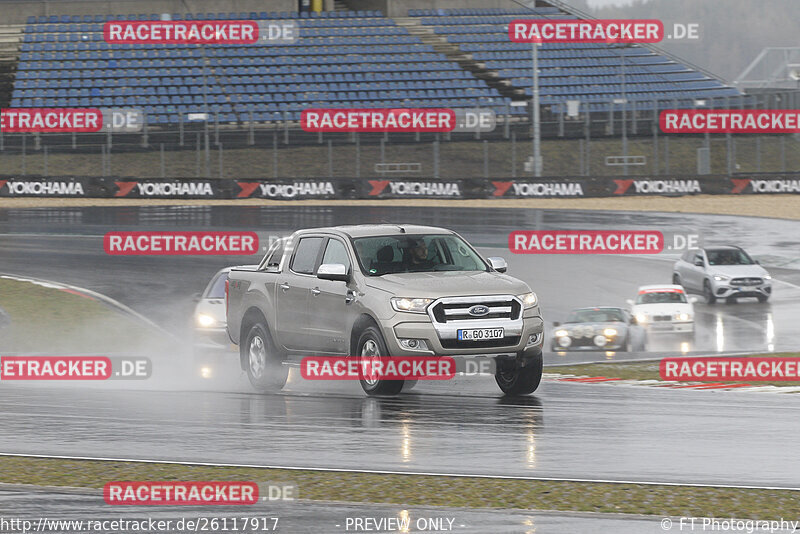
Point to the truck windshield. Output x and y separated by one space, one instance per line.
415 253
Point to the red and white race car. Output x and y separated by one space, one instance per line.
664 308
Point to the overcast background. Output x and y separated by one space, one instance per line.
733 32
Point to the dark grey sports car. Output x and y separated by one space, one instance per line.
610 329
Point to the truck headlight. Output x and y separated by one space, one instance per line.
204 320
403 304
721 277
529 300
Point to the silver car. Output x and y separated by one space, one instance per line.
210 335
598 328
723 272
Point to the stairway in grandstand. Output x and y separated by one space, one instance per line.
10 36
428 35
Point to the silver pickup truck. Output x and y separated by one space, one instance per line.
382 290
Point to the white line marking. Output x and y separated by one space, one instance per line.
386 472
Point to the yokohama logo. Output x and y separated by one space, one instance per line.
44 188
293 190
657 187
765 186
545 189
167 189
402 189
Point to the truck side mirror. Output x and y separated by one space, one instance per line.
333 271
498 264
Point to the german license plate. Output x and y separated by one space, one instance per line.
479 334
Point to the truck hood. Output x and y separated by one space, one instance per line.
448 284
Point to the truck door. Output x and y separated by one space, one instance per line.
328 309
293 291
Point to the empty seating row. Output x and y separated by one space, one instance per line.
482 11
440 77
358 64
73 19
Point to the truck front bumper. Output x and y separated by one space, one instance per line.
526 334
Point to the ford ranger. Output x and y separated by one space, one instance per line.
382 290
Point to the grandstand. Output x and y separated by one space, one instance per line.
452 58
593 74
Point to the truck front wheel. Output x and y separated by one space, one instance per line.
372 346
263 364
519 376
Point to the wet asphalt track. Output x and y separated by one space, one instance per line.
309 517
565 430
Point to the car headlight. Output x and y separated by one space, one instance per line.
721 277
403 304
767 277
682 316
205 320
561 333
610 332
529 300
641 318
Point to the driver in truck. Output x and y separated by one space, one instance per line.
417 256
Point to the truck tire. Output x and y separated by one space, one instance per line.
371 344
515 379
263 363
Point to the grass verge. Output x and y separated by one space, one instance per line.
426 490
650 370
55 321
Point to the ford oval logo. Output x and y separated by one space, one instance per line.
479 310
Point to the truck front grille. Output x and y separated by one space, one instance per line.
458 308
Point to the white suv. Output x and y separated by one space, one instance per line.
724 272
